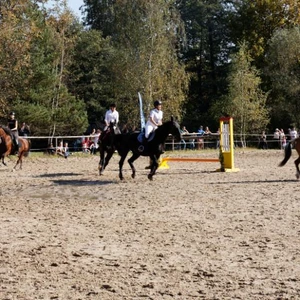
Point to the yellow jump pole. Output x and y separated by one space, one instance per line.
227 145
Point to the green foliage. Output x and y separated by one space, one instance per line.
145 59
283 70
205 56
91 73
58 75
33 67
246 102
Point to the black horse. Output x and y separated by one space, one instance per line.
107 146
125 143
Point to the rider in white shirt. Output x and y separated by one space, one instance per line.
111 116
155 119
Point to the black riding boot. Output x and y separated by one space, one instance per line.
16 147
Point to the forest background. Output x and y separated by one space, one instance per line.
202 59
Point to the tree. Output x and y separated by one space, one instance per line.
145 58
246 102
33 58
283 71
206 56
255 21
91 73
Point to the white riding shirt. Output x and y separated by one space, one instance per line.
156 115
111 116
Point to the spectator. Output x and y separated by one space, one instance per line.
207 131
276 137
263 141
24 130
94 146
200 141
60 149
63 149
66 150
218 139
282 138
191 141
293 134
85 145
77 144
51 150
183 142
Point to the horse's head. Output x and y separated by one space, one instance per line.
114 129
176 132
173 128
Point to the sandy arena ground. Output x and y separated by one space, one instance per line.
191 233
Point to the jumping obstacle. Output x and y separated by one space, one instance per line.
226 154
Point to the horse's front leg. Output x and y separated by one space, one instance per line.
130 161
108 157
154 166
297 162
101 161
121 163
3 162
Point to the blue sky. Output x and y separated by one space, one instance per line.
74 6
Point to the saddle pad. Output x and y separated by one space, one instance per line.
141 135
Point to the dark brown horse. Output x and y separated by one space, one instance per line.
7 146
288 153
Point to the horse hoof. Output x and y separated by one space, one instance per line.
133 176
150 177
297 175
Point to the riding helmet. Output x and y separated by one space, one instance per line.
157 102
12 113
113 105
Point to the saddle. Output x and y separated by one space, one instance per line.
141 136
141 139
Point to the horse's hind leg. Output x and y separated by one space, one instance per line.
154 167
297 162
130 161
19 162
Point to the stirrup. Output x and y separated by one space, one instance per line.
141 148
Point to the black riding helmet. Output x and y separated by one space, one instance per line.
157 102
12 113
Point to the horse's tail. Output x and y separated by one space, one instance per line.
287 154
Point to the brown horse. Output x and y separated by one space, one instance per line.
288 153
7 146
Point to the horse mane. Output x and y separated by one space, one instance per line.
6 130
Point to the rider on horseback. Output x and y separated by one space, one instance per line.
12 124
155 120
111 117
